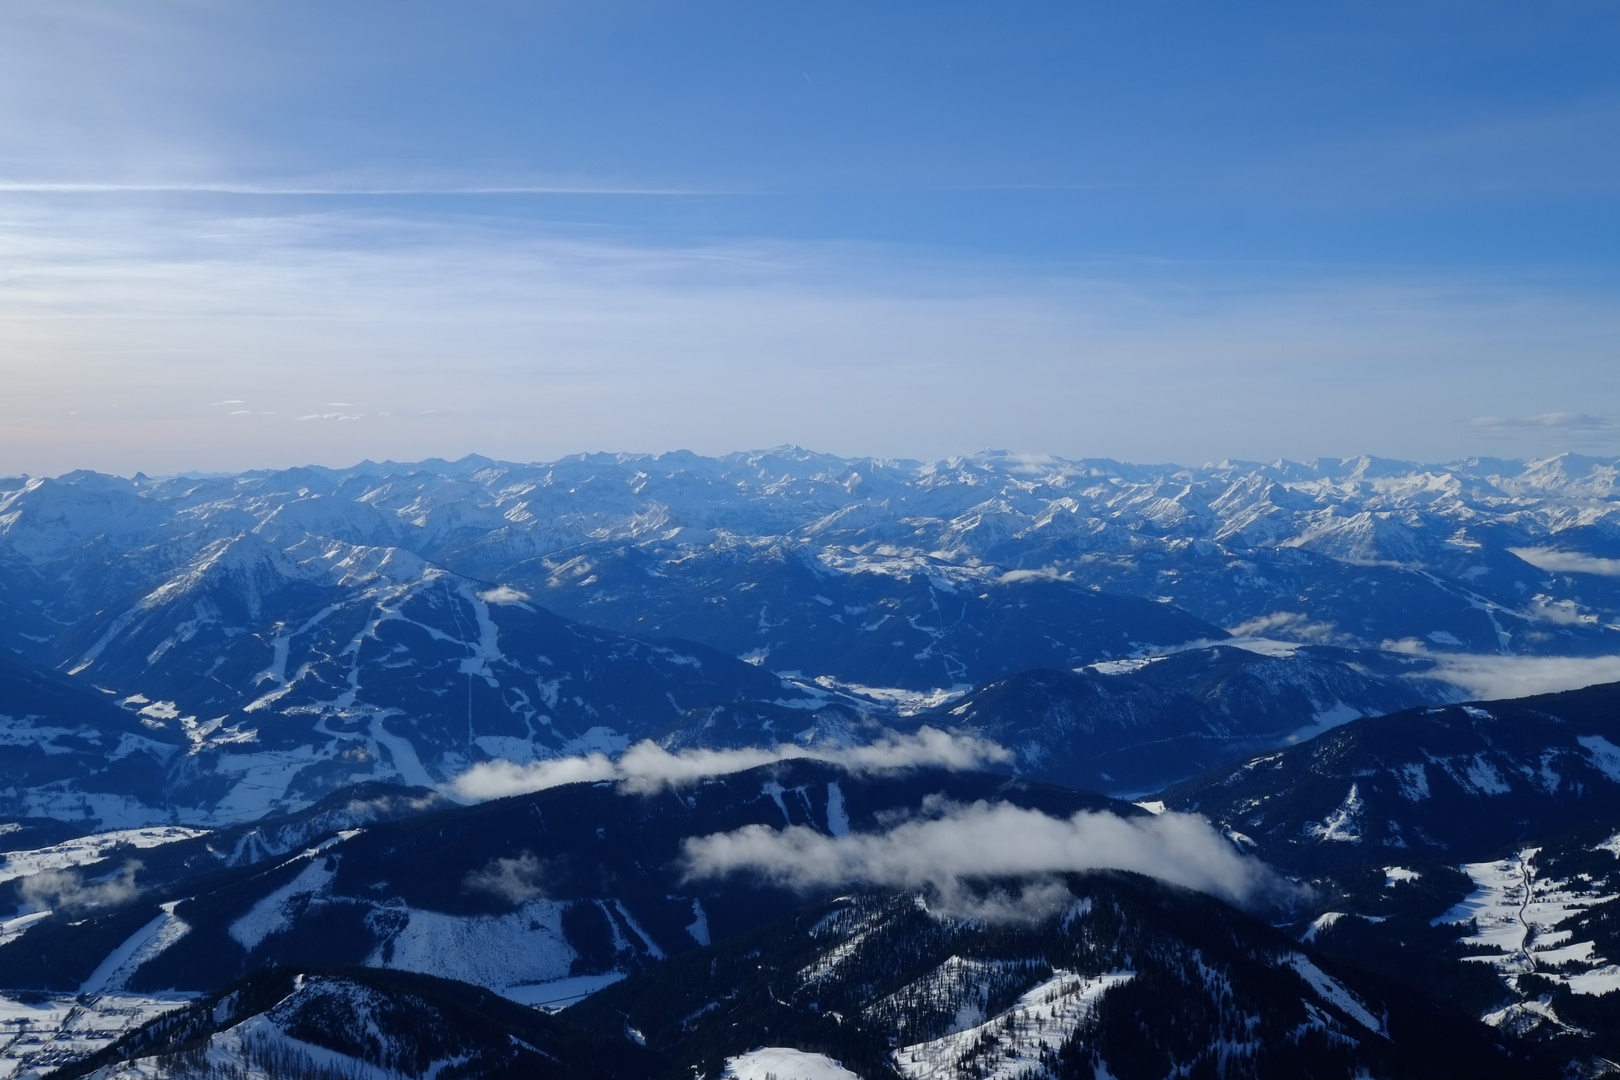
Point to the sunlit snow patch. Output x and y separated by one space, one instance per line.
560 993
1009 1045
784 1063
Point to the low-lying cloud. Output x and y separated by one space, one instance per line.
1567 562
515 880
65 890
647 767
1486 678
943 854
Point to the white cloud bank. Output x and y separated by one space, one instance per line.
1567 562
1488 678
647 767
941 854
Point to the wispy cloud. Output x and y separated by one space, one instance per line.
647 767
1567 562
67 890
1486 678
456 329
943 853
1547 421
516 880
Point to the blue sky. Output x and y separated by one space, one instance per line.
238 234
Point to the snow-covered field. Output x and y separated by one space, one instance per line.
35 1038
784 1063
1517 917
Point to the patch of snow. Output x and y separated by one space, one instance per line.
1414 781
784 1063
902 701
1343 825
1010 1043
272 914
495 951
775 791
406 763
145 944
11 929
1395 875
698 928
560 993
1327 719
1322 922
1604 755
1118 667
837 814
1335 993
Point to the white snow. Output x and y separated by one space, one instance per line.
903 702
525 946
1322 922
1395 875
785 1063
89 850
146 943
11 929
1049 1013
272 914
1119 667
35 1038
1414 781
406 763
1517 915
1343 825
560 993
837 815
1604 755
698 928
1335 993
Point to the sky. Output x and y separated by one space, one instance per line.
238 235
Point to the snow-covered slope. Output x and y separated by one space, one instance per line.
1468 782
361 1025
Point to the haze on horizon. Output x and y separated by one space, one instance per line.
254 235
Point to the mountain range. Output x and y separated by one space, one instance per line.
795 765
